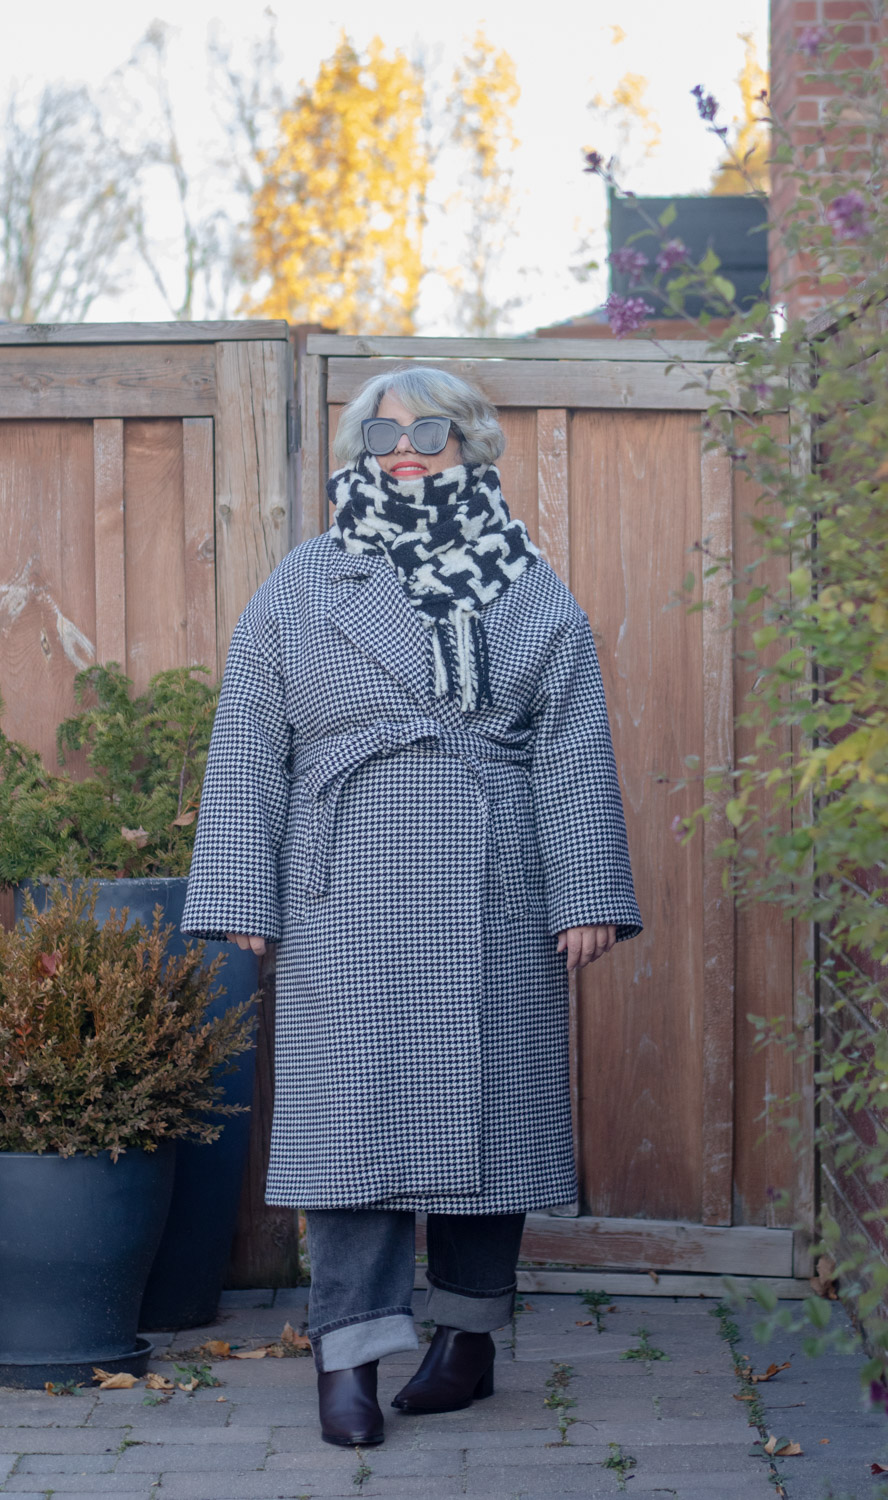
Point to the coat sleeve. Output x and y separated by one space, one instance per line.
233 884
577 803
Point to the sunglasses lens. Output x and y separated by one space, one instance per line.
430 434
380 435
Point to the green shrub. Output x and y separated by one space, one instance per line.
104 1041
136 813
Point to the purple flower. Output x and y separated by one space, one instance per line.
625 314
811 39
707 104
594 161
879 1393
671 254
631 261
761 389
847 215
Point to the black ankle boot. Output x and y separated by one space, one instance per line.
350 1414
457 1370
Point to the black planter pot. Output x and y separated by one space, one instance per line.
77 1238
189 1268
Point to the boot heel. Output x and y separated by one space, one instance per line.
484 1386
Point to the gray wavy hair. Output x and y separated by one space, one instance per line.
427 393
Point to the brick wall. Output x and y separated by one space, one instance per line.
802 104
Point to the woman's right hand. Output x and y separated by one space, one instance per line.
256 943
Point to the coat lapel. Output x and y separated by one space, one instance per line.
378 618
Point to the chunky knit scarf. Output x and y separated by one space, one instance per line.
454 548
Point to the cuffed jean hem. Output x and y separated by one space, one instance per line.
357 1341
469 1313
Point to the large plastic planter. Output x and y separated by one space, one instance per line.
189 1267
77 1238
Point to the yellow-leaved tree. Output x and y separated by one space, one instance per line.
751 143
485 92
338 218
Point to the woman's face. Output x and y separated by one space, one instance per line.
404 462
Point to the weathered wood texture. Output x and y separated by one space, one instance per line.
168 381
426 349
613 383
142 333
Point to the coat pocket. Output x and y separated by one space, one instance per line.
509 853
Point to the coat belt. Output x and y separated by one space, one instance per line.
324 767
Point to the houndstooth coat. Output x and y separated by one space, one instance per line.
415 864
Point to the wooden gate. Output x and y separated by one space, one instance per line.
605 464
152 475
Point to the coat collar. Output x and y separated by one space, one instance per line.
378 618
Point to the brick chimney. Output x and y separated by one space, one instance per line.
800 103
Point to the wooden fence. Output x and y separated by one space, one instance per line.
150 477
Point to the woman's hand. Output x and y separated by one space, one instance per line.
585 944
256 943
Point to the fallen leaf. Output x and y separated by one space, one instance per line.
154 1381
108 1382
824 1283
738 1397
188 1385
781 1448
823 1440
291 1340
184 819
654 1277
221 1398
249 1353
527 1307
586 1323
217 1348
876 1468
771 1371
138 836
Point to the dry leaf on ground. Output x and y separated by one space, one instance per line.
824 1283
771 1371
782 1448
738 1397
249 1353
184 819
879 1468
156 1382
292 1341
119 1382
216 1348
188 1385
585 1322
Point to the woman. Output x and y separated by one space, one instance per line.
411 790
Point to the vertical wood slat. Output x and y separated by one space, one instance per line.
252 474
109 505
311 477
552 481
200 563
553 532
718 906
804 998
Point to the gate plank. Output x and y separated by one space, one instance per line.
155 552
110 581
563 382
718 905
552 479
252 479
172 380
200 552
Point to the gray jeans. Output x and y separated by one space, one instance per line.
362 1272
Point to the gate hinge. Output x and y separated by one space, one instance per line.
294 435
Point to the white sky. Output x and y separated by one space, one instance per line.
563 53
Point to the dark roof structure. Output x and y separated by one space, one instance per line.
733 225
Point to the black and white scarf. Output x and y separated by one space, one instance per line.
452 543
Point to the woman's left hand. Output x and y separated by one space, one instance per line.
584 944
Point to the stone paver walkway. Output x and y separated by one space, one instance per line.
572 1416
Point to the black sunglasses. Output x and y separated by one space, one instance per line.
426 434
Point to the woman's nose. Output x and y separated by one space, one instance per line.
403 444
